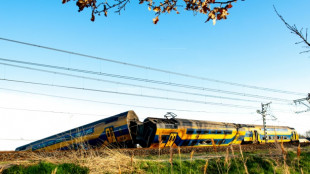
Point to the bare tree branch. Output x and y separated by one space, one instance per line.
294 30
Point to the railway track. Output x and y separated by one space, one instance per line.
24 155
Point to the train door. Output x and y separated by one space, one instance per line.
255 137
294 136
110 135
171 139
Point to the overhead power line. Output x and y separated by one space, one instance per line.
132 94
146 80
117 104
9 139
53 112
141 86
155 69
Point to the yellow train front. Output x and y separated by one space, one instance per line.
255 134
174 132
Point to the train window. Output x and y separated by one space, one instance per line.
186 142
208 142
190 131
206 131
194 143
221 141
187 124
199 131
164 137
171 126
228 132
213 131
285 137
219 132
278 137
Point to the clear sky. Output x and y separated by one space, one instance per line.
251 47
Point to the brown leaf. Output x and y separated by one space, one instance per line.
155 20
229 6
65 1
156 9
92 17
106 13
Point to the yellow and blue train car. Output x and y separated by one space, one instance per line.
255 134
182 132
114 130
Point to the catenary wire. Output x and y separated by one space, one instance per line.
141 86
131 94
117 104
138 95
150 81
156 69
53 112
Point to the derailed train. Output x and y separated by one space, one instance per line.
126 131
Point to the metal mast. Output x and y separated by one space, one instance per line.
301 101
263 112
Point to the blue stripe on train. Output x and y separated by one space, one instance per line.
192 142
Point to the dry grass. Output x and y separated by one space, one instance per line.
54 171
97 161
244 162
191 160
171 159
179 150
205 167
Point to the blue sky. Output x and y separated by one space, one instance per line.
251 47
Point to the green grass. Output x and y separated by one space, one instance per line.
254 163
295 164
47 168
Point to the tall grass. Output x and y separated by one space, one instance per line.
179 152
244 161
191 160
96 160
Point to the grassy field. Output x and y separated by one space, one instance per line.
278 160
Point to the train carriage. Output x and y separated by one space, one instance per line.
255 134
113 130
183 132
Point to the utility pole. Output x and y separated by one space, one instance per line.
263 112
301 101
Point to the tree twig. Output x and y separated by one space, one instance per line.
294 30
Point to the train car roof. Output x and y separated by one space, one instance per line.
130 114
268 126
185 122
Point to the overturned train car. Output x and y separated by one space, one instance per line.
113 131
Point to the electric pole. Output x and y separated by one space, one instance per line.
302 101
263 112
